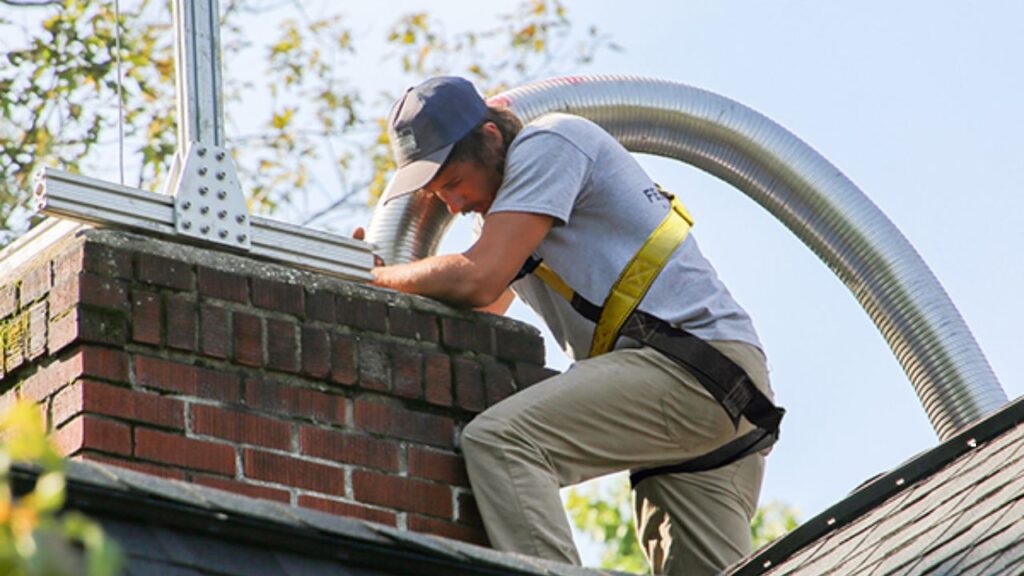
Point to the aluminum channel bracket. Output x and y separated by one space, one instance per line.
95 201
208 203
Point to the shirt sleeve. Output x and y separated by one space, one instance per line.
544 174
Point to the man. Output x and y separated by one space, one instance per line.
564 192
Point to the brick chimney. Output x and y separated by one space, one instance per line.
259 379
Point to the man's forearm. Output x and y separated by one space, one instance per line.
453 279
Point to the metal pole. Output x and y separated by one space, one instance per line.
197 54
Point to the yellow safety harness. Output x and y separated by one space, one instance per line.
618 316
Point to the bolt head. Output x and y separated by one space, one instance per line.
241 238
204 229
221 175
203 190
186 205
186 224
220 155
240 218
223 233
204 210
222 214
202 170
202 152
221 194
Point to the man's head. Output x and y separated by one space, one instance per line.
446 140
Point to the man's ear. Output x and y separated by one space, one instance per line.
493 132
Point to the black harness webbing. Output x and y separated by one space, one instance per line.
721 377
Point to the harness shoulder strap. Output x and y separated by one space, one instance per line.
636 278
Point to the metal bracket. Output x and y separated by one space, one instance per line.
208 200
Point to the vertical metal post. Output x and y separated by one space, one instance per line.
208 201
197 53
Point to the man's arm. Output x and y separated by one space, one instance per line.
480 275
499 306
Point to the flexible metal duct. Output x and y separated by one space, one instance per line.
793 182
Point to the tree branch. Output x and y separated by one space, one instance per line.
30 3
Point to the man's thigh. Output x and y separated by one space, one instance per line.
627 409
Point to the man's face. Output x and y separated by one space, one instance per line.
466 187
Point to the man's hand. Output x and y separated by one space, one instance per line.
360 234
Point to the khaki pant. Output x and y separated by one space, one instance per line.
628 409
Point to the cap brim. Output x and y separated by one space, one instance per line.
415 175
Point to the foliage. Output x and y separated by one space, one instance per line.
316 142
606 518
34 540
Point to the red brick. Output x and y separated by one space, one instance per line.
294 472
103 292
51 377
350 510
374 365
411 324
437 379
274 295
466 335
343 359
427 525
150 469
34 283
435 465
407 375
36 337
8 301
391 420
62 331
468 512
106 260
103 363
85 431
348 448
362 314
123 403
223 285
320 306
181 322
529 374
251 490
213 331
240 428
248 339
147 324
519 345
498 383
186 379
218 385
165 375
402 493
64 295
282 346
469 385
101 327
165 272
295 402
69 263
178 450
316 352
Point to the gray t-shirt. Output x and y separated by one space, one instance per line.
605 206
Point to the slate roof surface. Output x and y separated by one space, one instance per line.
955 509
167 527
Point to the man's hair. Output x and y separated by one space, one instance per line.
472 148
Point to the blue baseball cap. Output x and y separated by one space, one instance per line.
425 124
